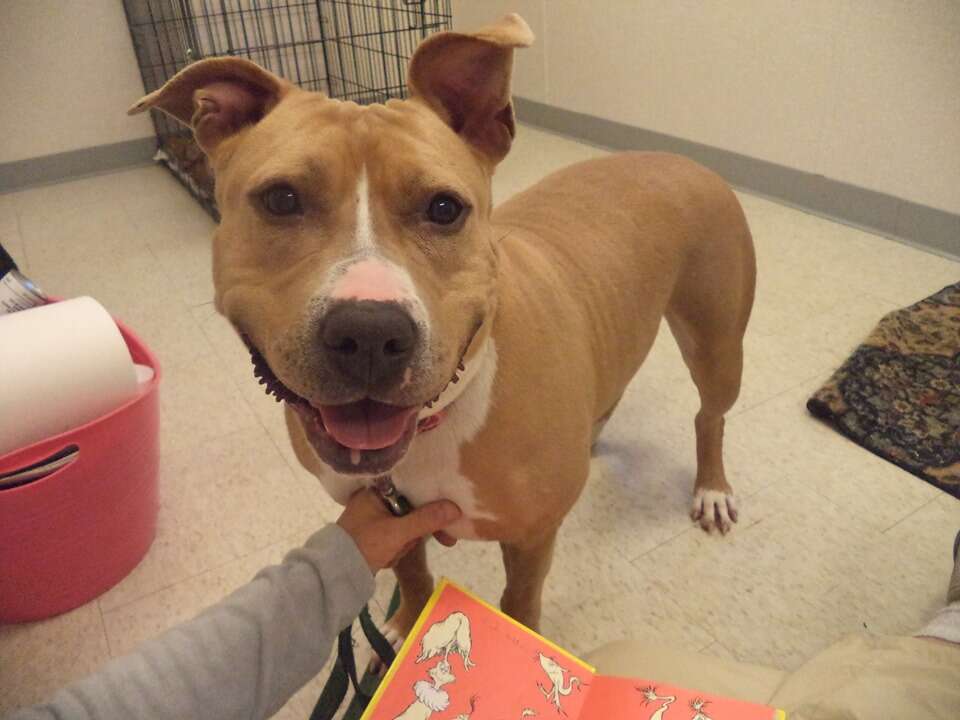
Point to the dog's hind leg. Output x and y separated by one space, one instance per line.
716 371
708 317
526 565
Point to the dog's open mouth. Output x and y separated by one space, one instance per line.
362 437
366 436
366 424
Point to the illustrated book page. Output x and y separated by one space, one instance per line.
464 656
465 660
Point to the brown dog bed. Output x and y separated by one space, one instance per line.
898 395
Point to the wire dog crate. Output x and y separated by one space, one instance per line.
348 49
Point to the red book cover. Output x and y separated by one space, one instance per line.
465 660
616 697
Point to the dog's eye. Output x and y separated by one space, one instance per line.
281 200
444 209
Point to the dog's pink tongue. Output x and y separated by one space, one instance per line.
366 425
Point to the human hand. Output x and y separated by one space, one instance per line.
383 538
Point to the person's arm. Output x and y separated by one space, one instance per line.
245 656
241 658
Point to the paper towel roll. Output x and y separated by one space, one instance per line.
61 365
144 373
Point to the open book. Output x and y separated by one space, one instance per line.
465 660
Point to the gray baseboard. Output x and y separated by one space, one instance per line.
75 163
904 220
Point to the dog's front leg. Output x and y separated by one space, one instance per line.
527 564
416 586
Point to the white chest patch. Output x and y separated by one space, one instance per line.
431 469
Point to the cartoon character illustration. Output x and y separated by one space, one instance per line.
430 696
650 696
450 635
697 705
557 689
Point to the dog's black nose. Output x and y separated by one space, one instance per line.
369 342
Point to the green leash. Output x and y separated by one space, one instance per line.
344 672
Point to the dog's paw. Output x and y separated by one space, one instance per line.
714 510
396 640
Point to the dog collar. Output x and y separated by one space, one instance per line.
434 412
431 421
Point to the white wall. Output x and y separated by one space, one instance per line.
862 91
67 76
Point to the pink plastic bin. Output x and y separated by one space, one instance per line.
72 535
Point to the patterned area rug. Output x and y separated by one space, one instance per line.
898 395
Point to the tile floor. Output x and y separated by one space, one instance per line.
831 539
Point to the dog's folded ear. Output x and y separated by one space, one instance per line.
465 78
217 97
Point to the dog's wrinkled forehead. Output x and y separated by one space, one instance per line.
368 170
385 157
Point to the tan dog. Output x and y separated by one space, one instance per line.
360 258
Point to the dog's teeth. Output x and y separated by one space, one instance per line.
354 456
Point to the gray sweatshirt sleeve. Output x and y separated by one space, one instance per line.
241 658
